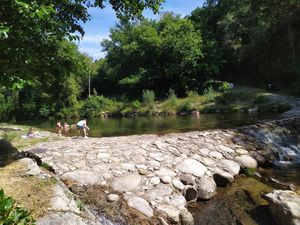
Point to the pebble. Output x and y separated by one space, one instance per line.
155 180
113 198
166 179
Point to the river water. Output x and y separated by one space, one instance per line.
106 127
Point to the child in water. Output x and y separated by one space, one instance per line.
31 133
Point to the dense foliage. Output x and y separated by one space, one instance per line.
253 42
156 55
250 42
42 74
29 29
11 214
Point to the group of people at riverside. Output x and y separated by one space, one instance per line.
81 127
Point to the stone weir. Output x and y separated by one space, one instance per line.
156 177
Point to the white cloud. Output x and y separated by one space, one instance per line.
93 39
90 44
95 53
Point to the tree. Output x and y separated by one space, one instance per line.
257 41
154 55
29 29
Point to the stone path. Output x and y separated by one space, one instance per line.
160 175
154 173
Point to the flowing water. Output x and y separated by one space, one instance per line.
282 143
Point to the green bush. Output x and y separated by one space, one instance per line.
11 214
192 94
172 98
224 87
149 98
136 105
186 105
210 94
94 105
221 86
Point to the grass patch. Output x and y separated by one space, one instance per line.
13 134
46 166
250 171
28 191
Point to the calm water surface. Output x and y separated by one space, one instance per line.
105 127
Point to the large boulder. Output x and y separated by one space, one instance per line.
231 166
125 183
186 218
140 205
246 161
284 206
65 218
170 212
192 166
206 188
82 177
187 179
159 191
32 168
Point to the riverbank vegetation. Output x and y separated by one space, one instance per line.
10 213
151 67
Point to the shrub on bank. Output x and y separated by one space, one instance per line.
219 86
136 105
172 98
95 105
210 94
149 98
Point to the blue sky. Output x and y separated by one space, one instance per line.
103 19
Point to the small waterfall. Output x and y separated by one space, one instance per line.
282 140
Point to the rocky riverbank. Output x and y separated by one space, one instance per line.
156 177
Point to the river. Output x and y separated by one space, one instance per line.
107 127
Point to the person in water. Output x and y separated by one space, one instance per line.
31 133
66 126
81 125
59 127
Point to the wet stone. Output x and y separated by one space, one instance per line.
191 166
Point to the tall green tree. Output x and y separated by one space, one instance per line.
28 29
154 55
257 41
